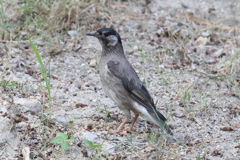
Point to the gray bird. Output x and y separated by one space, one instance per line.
122 84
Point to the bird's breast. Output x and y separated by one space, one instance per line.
112 86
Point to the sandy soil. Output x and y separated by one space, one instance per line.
186 52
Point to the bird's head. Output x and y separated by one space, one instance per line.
108 37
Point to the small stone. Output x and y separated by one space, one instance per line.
217 53
93 63
61 119
135 48
210 61
89 153
216 152
72 34
77 47
88 126
89 136
28 104
69 46
202 40
109 147
182 153
226 129
206 33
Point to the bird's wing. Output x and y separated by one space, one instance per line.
133 85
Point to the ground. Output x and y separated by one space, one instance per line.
186 52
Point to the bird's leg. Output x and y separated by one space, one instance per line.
133 122
118 130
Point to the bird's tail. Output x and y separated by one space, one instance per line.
160 120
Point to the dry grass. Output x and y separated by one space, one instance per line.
47 18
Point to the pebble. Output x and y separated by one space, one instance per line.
218 53
61 119
89 153
72 34
28 104
202 40
77 47
182 153
206 33
210 61
88 136
135 48
93 63
109 147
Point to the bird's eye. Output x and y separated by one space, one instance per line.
105 34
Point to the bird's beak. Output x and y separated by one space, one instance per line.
94 34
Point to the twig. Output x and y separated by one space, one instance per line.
190 16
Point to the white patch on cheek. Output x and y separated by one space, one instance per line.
112 40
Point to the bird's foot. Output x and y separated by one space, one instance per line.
120 132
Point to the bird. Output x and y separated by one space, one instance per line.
122 84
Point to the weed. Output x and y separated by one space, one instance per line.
199 156
42 71
164 78
186 96
203 101
3 23
6 84
95 148
63 139
91 144
159 142
152 136
106 114
47 87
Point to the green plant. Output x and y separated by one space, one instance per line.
164 78
96 148
96 151
152 136
186 96
8 84
158 142
203 101
160 146
199 156
47 86
91 144
106 114
42 71
63 139
3 23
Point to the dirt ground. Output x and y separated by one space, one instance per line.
186 52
